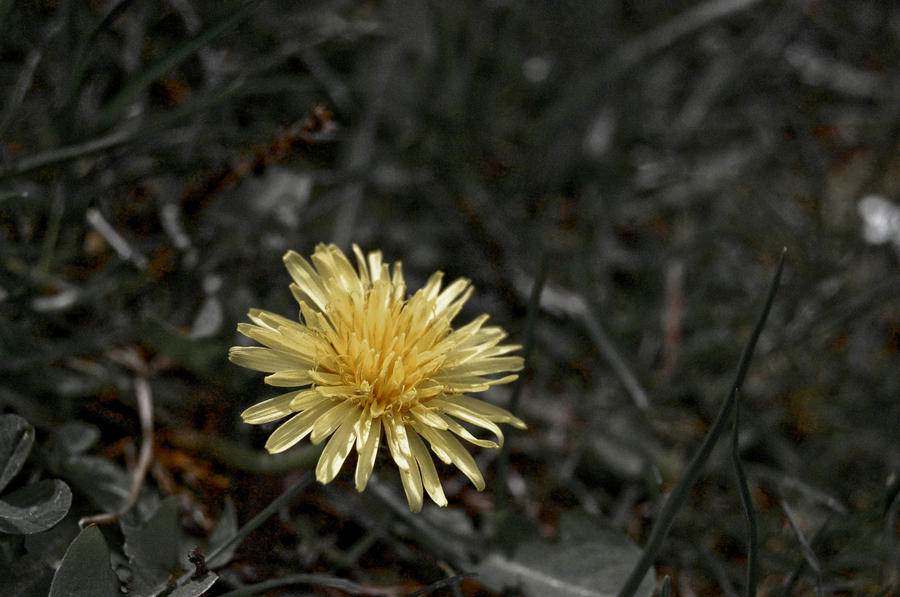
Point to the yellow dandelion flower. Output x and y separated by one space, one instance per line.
371 364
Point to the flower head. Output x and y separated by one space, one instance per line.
375 365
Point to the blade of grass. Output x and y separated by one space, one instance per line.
534 304
123 99
746 502
682 489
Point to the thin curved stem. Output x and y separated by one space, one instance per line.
682 489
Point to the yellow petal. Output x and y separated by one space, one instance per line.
306 279
337 391
270 410
299 353
304 399
481 366
428 416
427 432
460 412
332 264
400 454
331 419
449 294
462 385
456 453
361 266
430 478
466 435
412 487
487 410
432 286
397 282
289 378
260 358
366 456
273 321
295 429
335 452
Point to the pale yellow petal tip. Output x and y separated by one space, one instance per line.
361 484
291 255
521 362
272 448
248 419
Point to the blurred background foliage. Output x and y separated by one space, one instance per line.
158 158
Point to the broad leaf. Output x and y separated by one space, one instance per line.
16 438
155 551
85 569
587 559
35 508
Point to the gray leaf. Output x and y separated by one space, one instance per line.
588 559
35 508
156 551
85 570
16 438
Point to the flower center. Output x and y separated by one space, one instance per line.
383 351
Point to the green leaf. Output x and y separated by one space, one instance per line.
16 438
85 569
35 508
156 551
587 559
226 528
